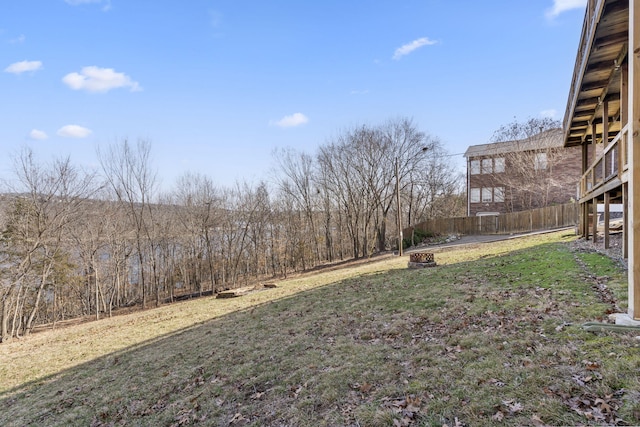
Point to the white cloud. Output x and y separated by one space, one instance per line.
410 47
551 113
560 6
100 80
38 135
293 120
23 66
20 39
107 3
73 131
359 92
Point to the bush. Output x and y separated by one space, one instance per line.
419 236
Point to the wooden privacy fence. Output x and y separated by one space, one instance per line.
517 222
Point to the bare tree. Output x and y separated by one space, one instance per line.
89 239
411 150
516 131
46 203
115 255
297 185
358 170
534 153
128 171
435 188
335 160
198 212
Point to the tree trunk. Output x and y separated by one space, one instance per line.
97 296
43 279
382 233
55 305
141 281
16 311
4 323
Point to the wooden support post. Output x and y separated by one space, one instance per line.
624 120
585 220
625 222
605 123
594 140
594 225
624 95
605 135
607 201
584 208
634 159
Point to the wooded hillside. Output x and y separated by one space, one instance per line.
77 243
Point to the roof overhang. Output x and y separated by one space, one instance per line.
596 84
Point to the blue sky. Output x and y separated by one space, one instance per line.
217 85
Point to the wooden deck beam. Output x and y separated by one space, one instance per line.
634 159
606 217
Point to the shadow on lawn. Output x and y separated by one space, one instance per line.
126 385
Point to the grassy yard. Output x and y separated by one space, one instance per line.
491 336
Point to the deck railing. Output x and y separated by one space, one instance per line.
611 164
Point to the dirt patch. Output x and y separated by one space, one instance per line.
614 251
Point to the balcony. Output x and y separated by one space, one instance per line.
609 170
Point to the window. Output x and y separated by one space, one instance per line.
474 167
474 195
486 195
498 165
487 165
540 162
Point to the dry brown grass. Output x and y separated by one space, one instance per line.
491 336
